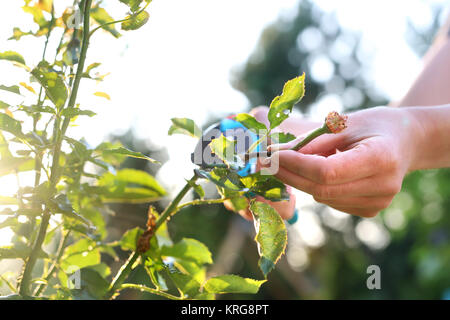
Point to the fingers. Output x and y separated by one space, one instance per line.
365 213
357 163
374 203
371 186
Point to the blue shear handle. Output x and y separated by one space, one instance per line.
230 124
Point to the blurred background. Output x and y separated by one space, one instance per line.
207 59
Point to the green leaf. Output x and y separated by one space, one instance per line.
10 125
81 254
232 284
250 122
225 149
128 153
223 177
190 250
127 185
61 204
92 283
135 21
271 235
17 34
186 284
90 67
53 84
266 186
13 89
197 188
130 238
237 199
4 105
191 268
12 56
156 278
281 137
185 126
101 16
75 112
281 106
134 4
38 15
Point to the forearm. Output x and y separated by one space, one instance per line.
430 136
431 86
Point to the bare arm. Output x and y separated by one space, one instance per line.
432 85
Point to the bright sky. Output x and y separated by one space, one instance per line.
178 65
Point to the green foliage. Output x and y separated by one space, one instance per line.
232 284
12 56
128 153
10 125
184 126
78 200
53 84
281 106
105 20
135 21
250 122
14 89
190 250
271 235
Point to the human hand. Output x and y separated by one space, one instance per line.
375 152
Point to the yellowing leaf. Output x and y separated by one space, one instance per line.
102 95
102 17
28 87
271 235
135 21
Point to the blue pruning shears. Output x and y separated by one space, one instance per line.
229 128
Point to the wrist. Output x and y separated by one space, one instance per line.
430 127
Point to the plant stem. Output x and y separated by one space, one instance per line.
24 288
125 270
311 136
121 275
172 207
60 251
54 177
314 134
150 290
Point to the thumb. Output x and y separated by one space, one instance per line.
324 145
